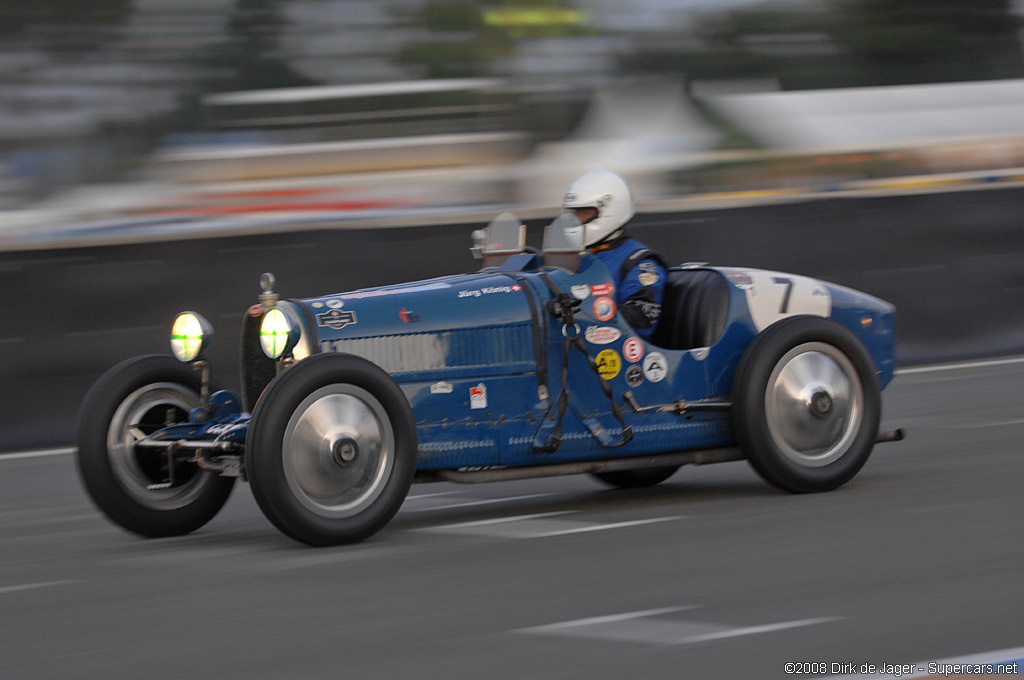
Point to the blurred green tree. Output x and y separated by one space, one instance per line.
249 58
468 35
918 41
848 43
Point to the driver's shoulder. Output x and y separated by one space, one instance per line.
635 253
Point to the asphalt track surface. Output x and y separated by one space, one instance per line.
712 574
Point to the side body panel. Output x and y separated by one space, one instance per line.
653 375
480 359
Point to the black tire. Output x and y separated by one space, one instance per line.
636 479
806 404
132 399
331 450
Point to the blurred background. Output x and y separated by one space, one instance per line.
143 112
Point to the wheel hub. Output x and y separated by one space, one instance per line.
344 451
821 403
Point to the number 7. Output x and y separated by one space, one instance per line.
788 283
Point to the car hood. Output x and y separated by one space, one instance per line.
470 323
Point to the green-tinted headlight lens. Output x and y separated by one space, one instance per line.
190 335
275 333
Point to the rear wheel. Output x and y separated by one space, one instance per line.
807 404
331 450
143 490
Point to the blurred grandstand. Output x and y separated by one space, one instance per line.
160 111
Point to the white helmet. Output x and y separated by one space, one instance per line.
609 195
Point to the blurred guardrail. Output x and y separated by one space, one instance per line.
156 211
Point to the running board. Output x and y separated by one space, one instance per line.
701 457
500 474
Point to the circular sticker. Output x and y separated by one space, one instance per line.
335 304
608 363
633 349
604 308
655 367
634 376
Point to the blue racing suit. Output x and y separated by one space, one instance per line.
639 276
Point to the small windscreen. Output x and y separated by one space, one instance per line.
564 234
563 241
506 234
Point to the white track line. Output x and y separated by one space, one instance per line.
611 618
756 630
603 527
958 366
502 520
489 501
39 454
32 586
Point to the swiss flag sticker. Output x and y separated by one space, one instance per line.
478 396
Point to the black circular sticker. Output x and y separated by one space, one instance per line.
634 375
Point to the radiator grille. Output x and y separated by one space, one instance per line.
477 351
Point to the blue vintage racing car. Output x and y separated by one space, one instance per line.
521 369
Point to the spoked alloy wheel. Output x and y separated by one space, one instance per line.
807 404
142 489
331 450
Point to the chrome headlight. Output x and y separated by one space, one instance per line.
278 334
190 336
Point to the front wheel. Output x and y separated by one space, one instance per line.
331 450
807 404
143 490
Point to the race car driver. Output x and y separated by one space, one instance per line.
603 202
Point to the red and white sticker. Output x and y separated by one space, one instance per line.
478 396
602 289
602 335
604 308
633 350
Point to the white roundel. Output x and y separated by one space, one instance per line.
773 296
655 367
